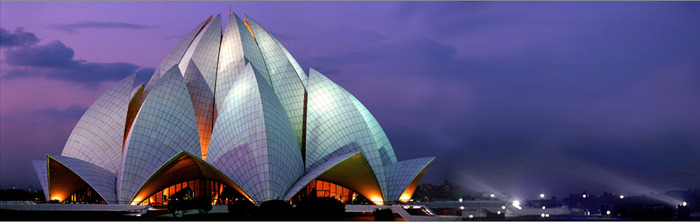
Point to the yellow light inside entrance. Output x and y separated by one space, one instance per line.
377 201
405 197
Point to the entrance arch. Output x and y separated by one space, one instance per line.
184 168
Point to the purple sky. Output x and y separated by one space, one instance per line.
513 97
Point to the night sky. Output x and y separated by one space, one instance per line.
511 97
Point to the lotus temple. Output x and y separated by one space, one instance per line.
229 114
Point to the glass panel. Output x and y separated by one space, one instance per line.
201 188
328 189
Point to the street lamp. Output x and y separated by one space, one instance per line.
541 195
622 196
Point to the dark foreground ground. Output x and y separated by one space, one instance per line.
6 215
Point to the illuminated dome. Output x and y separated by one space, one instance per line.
228 114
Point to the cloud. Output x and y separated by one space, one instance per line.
516 93
71 113
99 25
53 54
330 42
54 60
143 75
88 74
19 38
345 59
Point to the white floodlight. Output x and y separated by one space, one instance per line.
516 204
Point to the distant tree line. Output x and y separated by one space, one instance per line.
21 195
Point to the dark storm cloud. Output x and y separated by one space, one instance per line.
99 25
19 38
55 60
